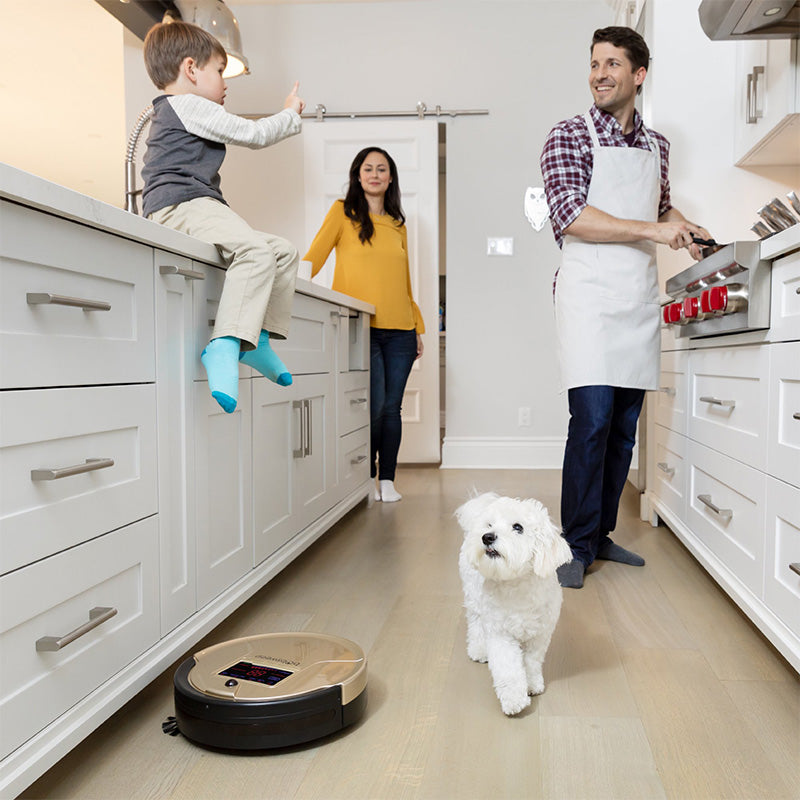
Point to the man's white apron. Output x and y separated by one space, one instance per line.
606 303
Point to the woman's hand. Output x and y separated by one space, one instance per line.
420 346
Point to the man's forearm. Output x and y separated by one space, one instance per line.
594 225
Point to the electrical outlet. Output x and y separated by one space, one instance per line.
524 417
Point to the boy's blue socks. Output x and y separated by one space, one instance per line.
266 361
221 360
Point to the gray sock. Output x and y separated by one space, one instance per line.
610 551
570 575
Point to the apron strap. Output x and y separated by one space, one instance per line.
592 130
651 143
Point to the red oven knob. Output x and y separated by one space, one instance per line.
673 313
714 300
691 309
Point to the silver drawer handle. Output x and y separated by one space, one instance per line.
670 471
668 390
97 616
172 269
47 298
725 513
360 460
795 568
715 401
90 465
358 402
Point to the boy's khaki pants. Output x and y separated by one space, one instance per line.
260 279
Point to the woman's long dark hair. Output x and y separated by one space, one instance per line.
355 202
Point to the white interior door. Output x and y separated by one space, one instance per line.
329 149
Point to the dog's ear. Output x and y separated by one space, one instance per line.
553 552
466 513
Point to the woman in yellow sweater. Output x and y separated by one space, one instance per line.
368 231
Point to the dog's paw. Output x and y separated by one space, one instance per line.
534 691
513 704
477 654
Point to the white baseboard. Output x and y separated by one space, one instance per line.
479 452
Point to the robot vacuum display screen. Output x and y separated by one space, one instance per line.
258 673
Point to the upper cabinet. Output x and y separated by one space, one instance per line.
767 128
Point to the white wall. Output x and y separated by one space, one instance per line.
62 94
525 61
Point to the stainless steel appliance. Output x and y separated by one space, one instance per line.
750 19
726 292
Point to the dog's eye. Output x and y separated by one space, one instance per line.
517 527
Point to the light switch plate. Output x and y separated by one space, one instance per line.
500 246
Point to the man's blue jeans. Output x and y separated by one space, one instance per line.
392 353
602 432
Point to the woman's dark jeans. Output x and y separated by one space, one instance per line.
391 355
602 432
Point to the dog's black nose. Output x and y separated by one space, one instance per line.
488 538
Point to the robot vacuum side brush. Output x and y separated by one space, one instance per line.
273 690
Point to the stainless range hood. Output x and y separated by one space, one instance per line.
750 19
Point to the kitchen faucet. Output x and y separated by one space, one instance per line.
130 160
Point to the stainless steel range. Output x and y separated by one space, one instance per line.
726 292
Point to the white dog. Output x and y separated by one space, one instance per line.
508 565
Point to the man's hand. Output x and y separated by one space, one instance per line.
293 101
675 230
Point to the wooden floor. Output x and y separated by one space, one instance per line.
657 686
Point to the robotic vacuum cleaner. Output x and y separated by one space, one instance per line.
274 690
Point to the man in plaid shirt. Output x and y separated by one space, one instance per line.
606 179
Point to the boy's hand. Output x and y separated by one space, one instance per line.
293 101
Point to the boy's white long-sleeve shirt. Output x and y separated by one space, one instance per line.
186 146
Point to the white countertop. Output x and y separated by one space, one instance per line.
781 243
30 190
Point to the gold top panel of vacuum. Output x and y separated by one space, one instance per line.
275 666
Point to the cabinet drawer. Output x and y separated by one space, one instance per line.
783 453
353 340
782 579
726 511
53 598
76 306
670 400
42 433
205 298
353 459
353 401
313 335
785 308
728 394
669 473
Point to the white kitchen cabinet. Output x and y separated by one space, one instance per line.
782 574
76 464
668 469
70 622
739 461
224 486
76 306
176 357
783 456
294 452
726 503
670 401
785 302
767 122
728 390
126 493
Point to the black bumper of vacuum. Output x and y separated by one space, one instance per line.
253 725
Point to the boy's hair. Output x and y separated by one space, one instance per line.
168 43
